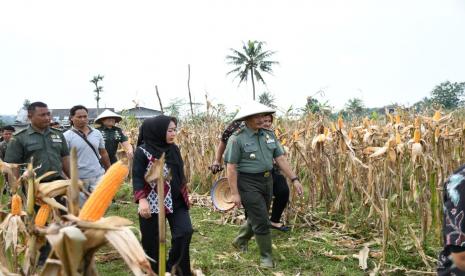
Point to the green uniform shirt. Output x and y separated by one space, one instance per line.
253 152
3 146
112 136
46 148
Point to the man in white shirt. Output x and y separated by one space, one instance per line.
90 148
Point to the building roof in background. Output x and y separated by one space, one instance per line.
63 114
140 112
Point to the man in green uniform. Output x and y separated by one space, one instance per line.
45 145
249 156
6 135
113 135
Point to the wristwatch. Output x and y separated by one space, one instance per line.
294 179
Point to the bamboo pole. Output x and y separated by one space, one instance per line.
73 189
161 218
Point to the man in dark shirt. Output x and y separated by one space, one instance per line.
113 135
452 257
6 135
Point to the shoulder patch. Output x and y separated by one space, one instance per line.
55 130
20 132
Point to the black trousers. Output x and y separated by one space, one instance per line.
181 234
281 196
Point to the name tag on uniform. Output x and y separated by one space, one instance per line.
270 140
56 140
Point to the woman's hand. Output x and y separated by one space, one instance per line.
144 208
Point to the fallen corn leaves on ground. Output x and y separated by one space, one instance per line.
318 246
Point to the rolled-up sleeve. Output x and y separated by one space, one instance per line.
233 151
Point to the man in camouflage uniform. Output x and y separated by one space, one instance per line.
249 156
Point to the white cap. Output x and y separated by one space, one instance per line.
252 108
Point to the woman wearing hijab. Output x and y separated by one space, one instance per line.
157 137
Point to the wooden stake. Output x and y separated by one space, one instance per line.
73 189
161 217
189 87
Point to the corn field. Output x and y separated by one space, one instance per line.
381 172
377 180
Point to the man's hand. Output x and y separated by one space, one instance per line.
216 167
236 199
298 187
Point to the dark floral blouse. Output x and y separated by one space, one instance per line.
230 129
454 223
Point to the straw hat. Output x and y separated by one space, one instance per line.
108 114
221 195
252 108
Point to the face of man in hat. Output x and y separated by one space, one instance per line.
109 122
255 121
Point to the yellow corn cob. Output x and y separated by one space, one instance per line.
42 215
296 135
397 119
416 136
100 199
437 133
276 132
398 138
366 122
437 115
351 134
417 122
340 122
16 205
390 118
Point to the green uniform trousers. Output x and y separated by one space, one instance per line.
256 191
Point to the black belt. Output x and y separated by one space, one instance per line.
263 174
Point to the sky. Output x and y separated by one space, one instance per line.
382 52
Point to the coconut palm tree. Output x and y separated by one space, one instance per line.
267 99
355 106
98 89
252 59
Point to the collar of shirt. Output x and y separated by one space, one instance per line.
250 132
82 133
30 130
